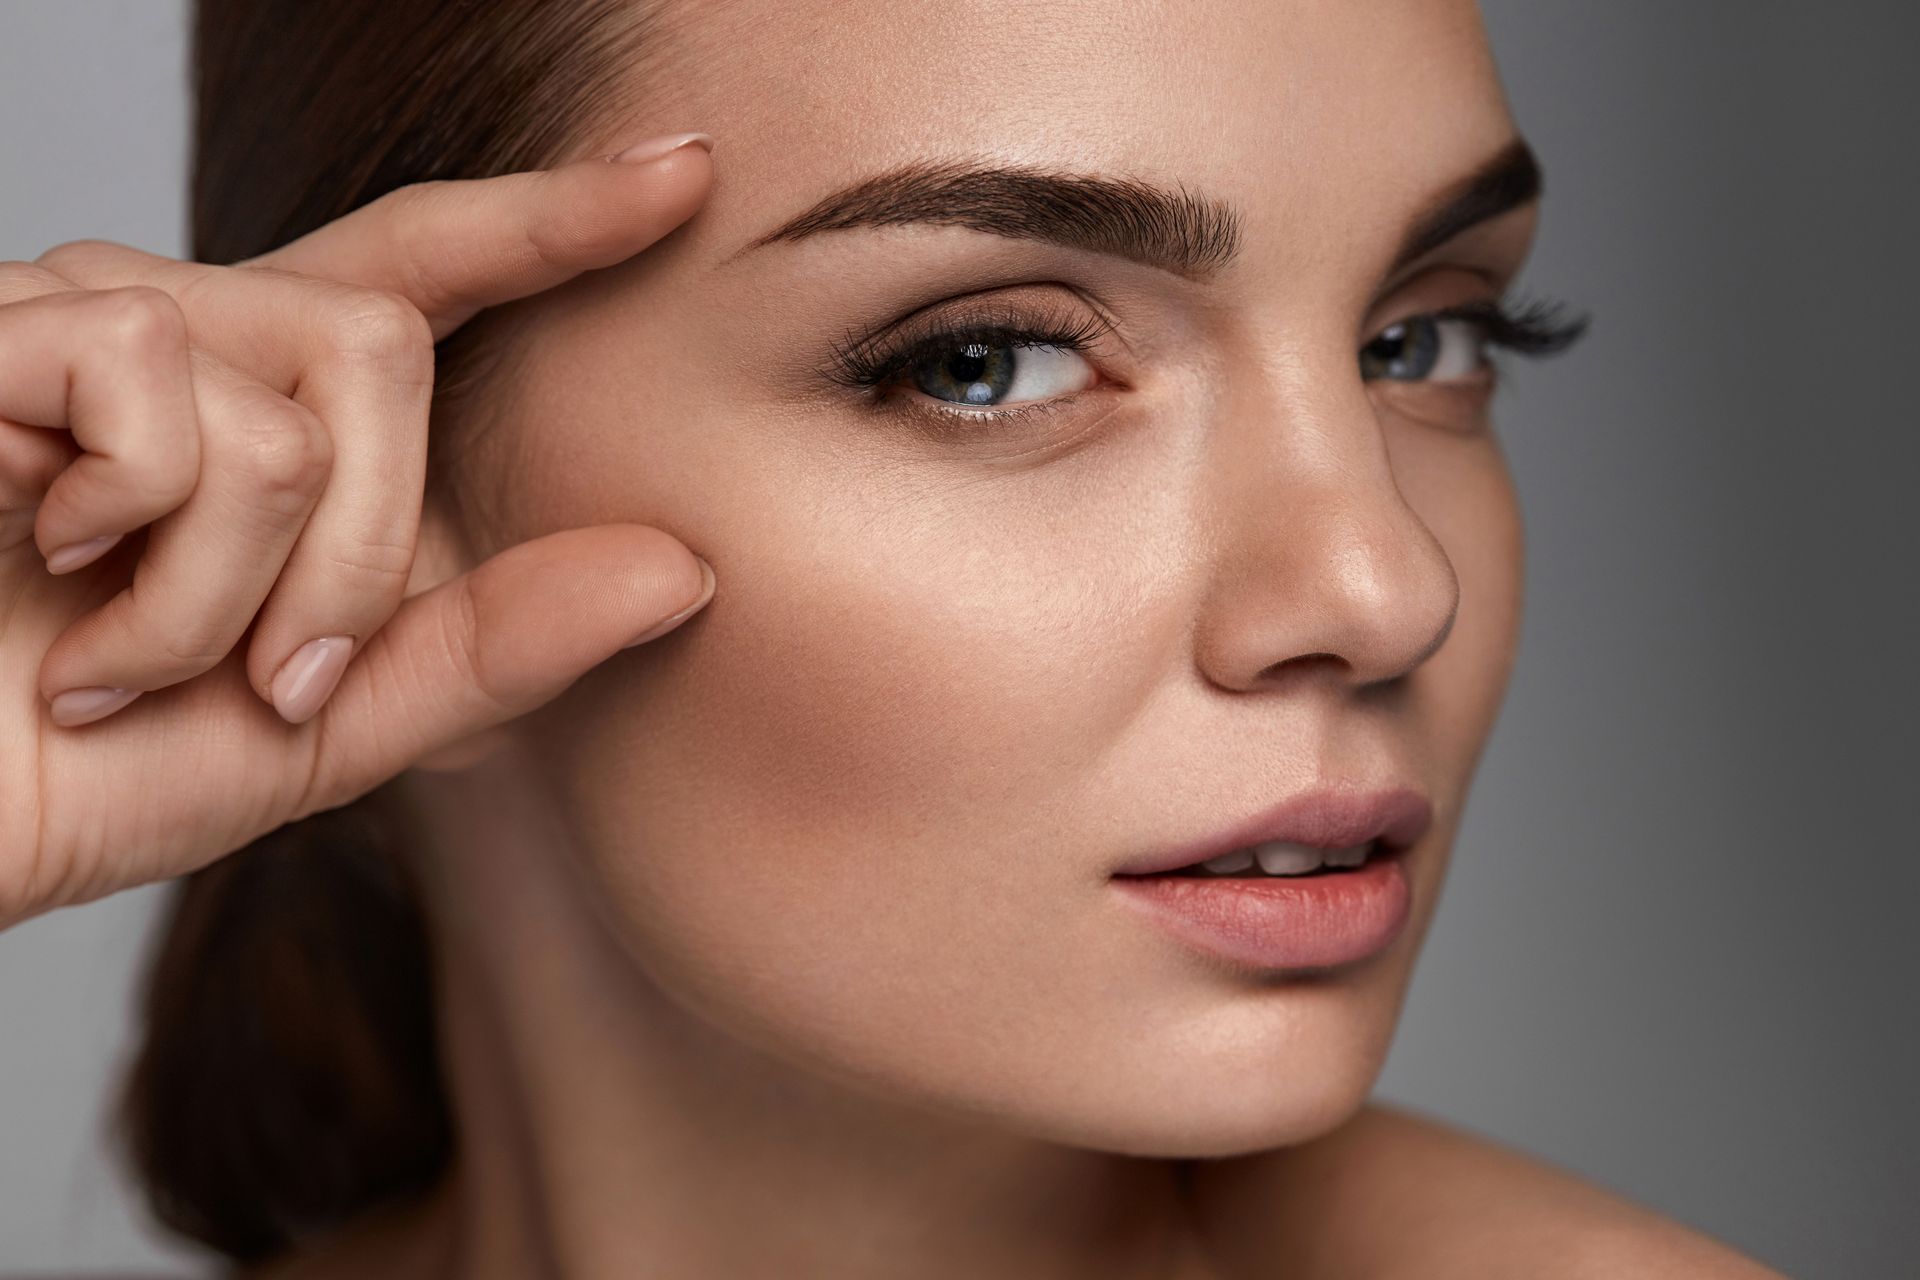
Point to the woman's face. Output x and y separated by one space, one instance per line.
961 666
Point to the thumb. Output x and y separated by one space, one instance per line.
494 643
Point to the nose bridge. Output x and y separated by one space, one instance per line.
1321 561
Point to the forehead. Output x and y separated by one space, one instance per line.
1306 112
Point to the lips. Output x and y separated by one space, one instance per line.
1329 818
1316 918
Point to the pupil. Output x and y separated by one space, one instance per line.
977 373
1406 351
970 364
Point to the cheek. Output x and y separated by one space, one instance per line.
847 789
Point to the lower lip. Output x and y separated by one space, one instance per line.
1282 922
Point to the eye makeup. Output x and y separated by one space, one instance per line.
873 361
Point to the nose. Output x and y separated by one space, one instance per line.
1322 566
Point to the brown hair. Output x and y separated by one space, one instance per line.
288 1079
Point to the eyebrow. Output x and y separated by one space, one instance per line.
1507 180
1167 228
1172 229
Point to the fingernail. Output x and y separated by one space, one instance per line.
665 625
654 148
306 679
83 706
75 554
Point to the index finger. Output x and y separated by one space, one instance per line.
454 246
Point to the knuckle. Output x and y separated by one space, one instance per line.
389 562
384 327
73 255
286 454
461 634
21 280
139 320
190 652
169 647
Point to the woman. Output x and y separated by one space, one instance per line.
908 715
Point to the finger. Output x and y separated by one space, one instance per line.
22 280
484 648
453 247
362 361
205 568
31 459
111 368
372 385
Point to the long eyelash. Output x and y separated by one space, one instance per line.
1528 327
868 360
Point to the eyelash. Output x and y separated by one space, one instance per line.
868 361
1529 327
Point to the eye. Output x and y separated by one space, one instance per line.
992 362
1426 348
984 373
1455 344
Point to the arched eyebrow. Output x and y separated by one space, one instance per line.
1165 227
1505 181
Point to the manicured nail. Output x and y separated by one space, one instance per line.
665 625
654 148
306 679
83 706
75 554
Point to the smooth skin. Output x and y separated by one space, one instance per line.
784 944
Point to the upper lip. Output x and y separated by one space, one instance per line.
1329 818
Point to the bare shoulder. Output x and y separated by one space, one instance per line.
1394 1193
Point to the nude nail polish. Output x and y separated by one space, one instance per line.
75 554
654 148
305 680
84 706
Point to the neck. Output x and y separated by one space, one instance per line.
604 1125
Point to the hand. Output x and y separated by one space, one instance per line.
193 456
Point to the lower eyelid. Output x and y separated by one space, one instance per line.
1442 404
957 425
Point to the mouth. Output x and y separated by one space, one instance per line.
1316 832
1299 917
1318 881
1283 859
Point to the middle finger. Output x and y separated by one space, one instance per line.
207 565
362 361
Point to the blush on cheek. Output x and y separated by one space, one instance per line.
832 756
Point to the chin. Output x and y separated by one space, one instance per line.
1275 1071
1234 1119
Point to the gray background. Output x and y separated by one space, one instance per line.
1676 952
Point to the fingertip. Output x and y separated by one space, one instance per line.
657 148
606 212
668 623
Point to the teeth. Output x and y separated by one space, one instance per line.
1347 857
1279 858
1228 863
1283 858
